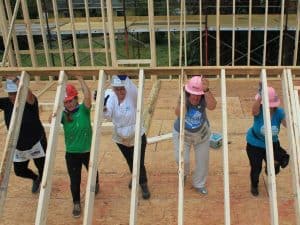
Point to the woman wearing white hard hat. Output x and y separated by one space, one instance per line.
120 107
32 141
197 131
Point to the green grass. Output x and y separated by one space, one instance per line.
136 50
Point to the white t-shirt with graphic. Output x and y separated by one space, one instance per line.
123 115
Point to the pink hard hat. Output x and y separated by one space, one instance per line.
194 86
274 100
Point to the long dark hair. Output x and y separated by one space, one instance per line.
68 113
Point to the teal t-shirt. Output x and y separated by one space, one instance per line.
78 132
256 134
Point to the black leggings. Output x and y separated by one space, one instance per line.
128 154
74 164
256 155
21 168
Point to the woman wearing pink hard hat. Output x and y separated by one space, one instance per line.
76 122
32 141
197 130
256 147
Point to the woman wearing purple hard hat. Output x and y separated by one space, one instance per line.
197 130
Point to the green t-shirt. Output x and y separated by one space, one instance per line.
78 132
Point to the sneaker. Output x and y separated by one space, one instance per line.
254 191
145 191
97 188
285 162
202 190
36 185
76 210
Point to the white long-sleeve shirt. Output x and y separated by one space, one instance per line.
123 115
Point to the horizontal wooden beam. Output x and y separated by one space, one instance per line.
163 137
133 61
56 51
252 71
297 88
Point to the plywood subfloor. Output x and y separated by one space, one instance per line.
112 205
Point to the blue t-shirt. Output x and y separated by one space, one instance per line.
256 134
195 116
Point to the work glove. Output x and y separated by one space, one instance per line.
105 99
95 95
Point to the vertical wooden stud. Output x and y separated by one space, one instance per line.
111 31
58 33
45 189
180 216
137 151
12 137
269 151
295 58
225 149
265 33
74 36
94 155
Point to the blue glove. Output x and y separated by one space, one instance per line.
122 77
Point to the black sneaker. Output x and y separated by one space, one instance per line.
36 185
254 191
145 191
97 188
285 162
76 210
277 168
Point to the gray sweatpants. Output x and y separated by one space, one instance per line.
201 148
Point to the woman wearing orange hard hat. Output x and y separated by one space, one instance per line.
76 120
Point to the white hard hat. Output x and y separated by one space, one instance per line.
10 86
117 82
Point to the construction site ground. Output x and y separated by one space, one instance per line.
112 204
